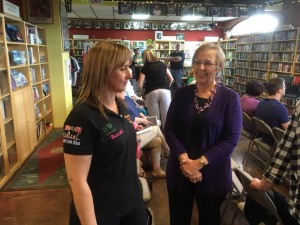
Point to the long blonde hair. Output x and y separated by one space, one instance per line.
148 56
101 60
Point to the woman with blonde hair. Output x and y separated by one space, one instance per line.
100 144
157 86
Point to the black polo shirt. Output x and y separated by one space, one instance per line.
112 143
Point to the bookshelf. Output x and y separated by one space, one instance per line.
262 56
78 48
229 48
24 72
163 48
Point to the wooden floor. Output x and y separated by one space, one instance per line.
51 207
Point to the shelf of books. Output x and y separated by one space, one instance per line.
163 48
229 48
24 72
261 56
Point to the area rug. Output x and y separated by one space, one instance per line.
44 169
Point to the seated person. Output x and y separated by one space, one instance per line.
271 110
153 139
249 100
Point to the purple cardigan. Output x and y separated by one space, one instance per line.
222 135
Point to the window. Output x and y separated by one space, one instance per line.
261 23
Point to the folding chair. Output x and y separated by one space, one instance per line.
237 189
260 197
261 128
278 133
248 122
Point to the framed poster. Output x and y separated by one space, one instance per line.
187 10
125 8
158 35
172 10
40 11
180 37
156 9
141 9
229 12
154 26
117 25
64 28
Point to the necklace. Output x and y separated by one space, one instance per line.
208 101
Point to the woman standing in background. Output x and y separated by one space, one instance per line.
157 86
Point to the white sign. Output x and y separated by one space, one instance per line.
81 37
11 9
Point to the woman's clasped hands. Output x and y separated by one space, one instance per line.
190 169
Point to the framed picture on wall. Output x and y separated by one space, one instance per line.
141 9
180 37
154 26
156 9
125 8
158 35
117 25
40 11
172 10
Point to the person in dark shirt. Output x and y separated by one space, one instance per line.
100 144
271 110
177 64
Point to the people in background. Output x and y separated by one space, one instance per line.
137 64
177 64
202 128
271 110
153 139
100 144
286 164
249 100
157 86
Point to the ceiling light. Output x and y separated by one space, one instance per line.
191 17
140 16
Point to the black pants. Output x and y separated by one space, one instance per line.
138 216
181 206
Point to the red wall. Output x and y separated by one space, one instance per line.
144 34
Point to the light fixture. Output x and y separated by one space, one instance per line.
68 5
140 16
191 17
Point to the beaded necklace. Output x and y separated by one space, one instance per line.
207 103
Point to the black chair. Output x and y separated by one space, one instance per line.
258 145
292 89
260 197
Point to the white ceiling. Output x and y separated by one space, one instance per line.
103 12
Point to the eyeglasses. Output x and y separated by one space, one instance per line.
204 63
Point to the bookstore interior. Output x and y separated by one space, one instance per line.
38 43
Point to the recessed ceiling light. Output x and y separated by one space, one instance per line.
191 17
140 16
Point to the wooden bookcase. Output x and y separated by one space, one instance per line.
229 48
262 56
164 48
25 94
79 47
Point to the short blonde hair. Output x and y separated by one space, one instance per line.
101 60
220 56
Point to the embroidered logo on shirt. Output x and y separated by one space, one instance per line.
71 134
109 132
